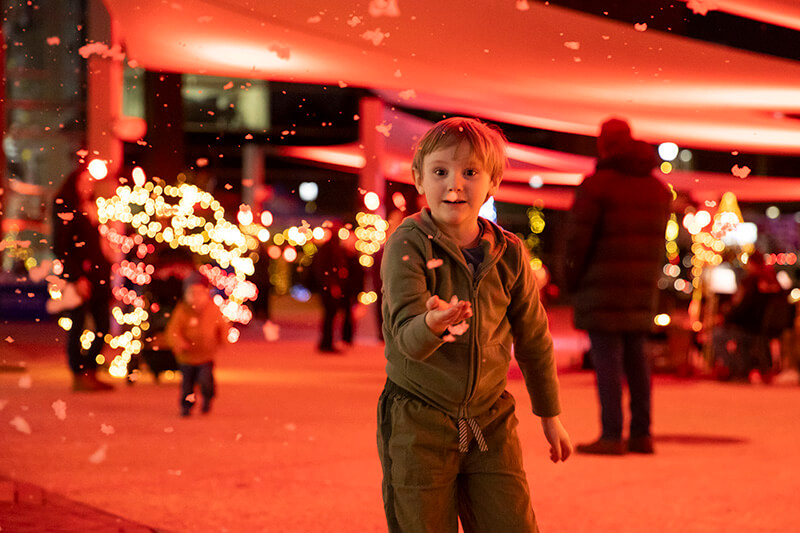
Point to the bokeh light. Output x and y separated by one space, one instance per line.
97 169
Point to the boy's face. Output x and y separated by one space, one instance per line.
456 185
197 295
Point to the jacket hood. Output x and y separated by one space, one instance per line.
493 239
638 159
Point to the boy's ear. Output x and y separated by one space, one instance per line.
418 181
494 186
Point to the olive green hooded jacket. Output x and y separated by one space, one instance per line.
465 377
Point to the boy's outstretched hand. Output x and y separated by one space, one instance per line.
442 315
556 435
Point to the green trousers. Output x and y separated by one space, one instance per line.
428 485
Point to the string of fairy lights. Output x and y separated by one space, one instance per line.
178 216
142 218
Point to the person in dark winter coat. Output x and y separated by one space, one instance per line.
77 245
615 250
339 278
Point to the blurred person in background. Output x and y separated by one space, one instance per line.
614 255
196 331
77 244
759 311
338 277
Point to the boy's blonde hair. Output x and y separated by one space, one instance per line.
486 141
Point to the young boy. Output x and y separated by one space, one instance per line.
195 332
458 291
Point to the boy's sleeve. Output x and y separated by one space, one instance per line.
533 344
405 291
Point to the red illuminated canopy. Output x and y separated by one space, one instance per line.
778 12
543 66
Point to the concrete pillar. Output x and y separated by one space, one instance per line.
371 177
164 116
253 175
3 167
103 91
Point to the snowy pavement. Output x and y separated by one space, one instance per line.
290 447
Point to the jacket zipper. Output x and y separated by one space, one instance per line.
474 351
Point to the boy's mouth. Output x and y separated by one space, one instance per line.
455 202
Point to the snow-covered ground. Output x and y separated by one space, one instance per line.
290 445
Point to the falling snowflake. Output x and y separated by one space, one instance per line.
434 263
399 201
99 455
9 339
407 94
383 128
40 271
385 8
701 7
227 86
458 329
54 41
523 5
3 404
640 27
740 172
191 398
21 425
102 50
271 331
25 382
314 19
280 50
376 36
205 19
572 45
353 22
60 409
107 429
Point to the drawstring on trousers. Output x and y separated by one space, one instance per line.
464 438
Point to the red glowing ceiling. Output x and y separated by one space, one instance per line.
778 12
543 66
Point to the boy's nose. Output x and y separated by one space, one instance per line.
456 184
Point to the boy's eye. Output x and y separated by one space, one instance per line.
471 172
439 172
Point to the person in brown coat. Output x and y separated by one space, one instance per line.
615 250
78 246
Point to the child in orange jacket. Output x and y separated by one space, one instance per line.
195 332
